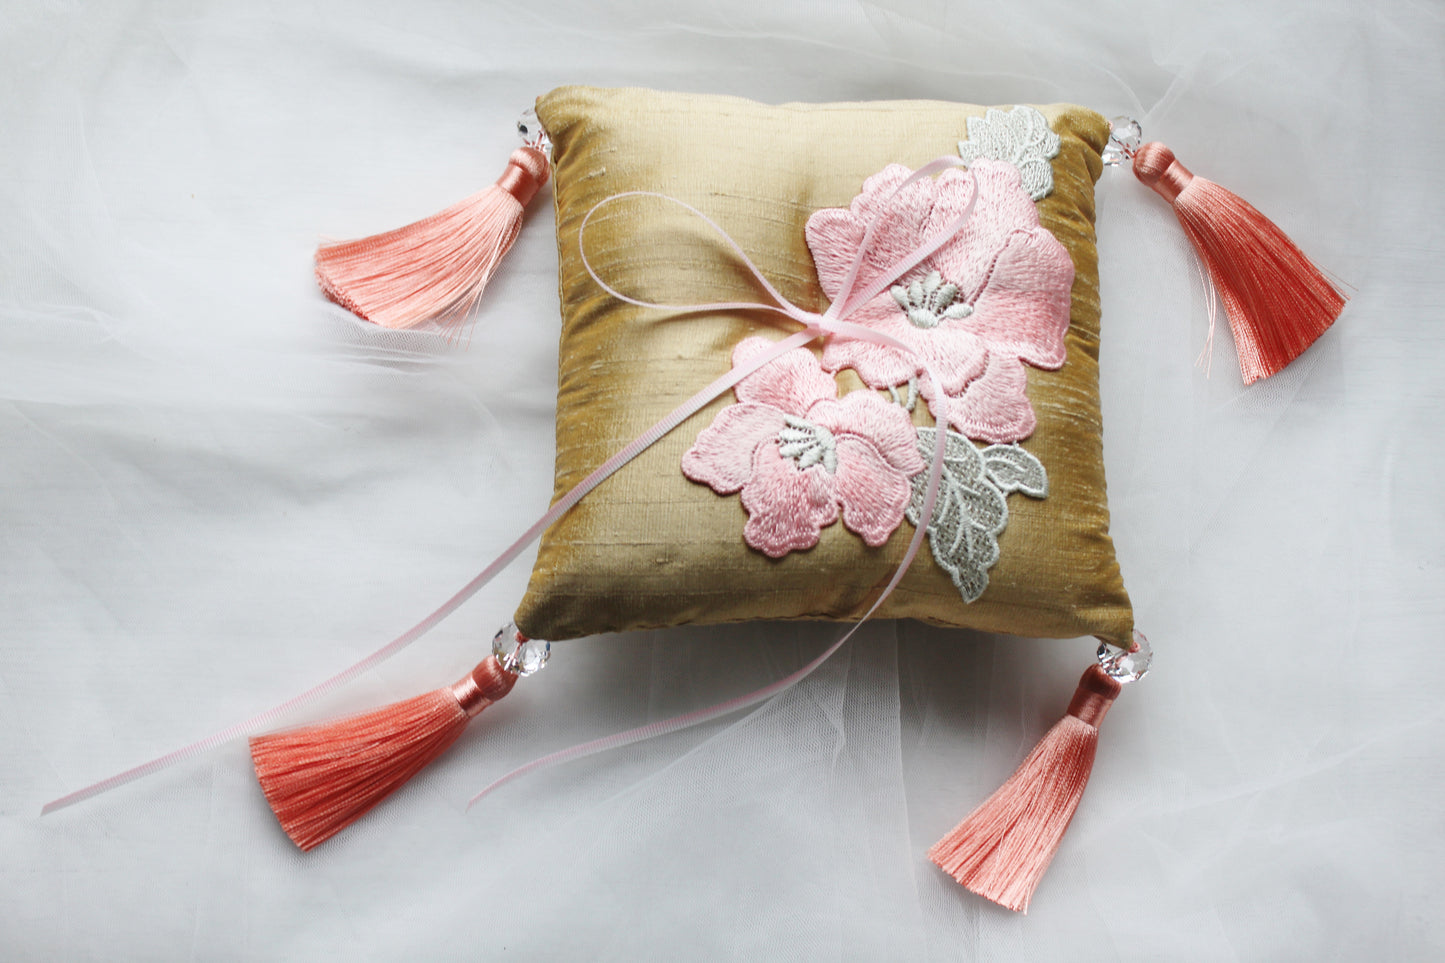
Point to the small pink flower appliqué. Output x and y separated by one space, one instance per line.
995 297
799 454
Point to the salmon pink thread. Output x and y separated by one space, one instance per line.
1277 301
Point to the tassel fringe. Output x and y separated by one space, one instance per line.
1277 301
436 268
322 778
1002 849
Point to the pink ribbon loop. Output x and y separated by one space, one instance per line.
831 323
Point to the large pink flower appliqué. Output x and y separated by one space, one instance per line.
798 454
992 298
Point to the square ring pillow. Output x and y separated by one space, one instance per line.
795 495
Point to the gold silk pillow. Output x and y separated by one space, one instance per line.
795 495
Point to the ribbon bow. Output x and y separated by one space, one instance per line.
831 323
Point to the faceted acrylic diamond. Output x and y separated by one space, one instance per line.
1126 665
532 133
517 653
1125 135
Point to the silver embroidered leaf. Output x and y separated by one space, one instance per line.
1014 470
970 510
1021 137
968 513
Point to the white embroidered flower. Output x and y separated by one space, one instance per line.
1022 138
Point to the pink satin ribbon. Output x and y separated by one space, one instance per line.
830 323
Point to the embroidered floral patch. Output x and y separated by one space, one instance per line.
971 510
798 454
1021 137
995 297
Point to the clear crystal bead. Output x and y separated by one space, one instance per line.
1126 665
533 134
517 653
1125 136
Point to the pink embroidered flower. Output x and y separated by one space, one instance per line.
799 453
995 296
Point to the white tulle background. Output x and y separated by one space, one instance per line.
216 489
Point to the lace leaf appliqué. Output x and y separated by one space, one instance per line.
971 508
1014 470
1021 137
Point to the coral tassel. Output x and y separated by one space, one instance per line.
1001 850
322 778
1277 301
436 268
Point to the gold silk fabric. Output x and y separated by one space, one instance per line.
649 548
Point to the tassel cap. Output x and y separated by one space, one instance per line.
1156 166
485 684
1095 694
527 171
